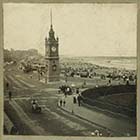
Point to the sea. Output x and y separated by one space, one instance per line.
128 63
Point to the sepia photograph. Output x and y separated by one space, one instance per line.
70 69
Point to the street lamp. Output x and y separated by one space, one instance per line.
38 72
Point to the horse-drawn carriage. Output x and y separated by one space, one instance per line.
36 108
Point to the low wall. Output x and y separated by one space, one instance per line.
90 96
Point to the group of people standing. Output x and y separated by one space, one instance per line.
67 90
77 99
62 101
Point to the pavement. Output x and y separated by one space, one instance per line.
118 125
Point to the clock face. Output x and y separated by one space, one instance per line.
53 48
54 67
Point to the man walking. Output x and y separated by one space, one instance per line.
74 99
79 100
64 102
77 90
10 95
7 85
61 102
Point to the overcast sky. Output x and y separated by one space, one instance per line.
83 29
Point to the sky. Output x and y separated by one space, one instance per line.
83 29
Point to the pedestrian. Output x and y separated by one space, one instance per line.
31 76
127 81
124 78
68 90
7 85
34 104
96 132
77 90
64 102
79 100
74 99
61 102
10 95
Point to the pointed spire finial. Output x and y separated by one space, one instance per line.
51 17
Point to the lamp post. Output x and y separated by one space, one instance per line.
66 79
38 73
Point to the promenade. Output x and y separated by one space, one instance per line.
118 125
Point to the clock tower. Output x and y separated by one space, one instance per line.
52 56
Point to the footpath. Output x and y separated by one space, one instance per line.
119 126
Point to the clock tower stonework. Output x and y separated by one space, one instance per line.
52 57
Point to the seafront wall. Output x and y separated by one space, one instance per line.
92 97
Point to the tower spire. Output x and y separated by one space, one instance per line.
51 17
51 32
